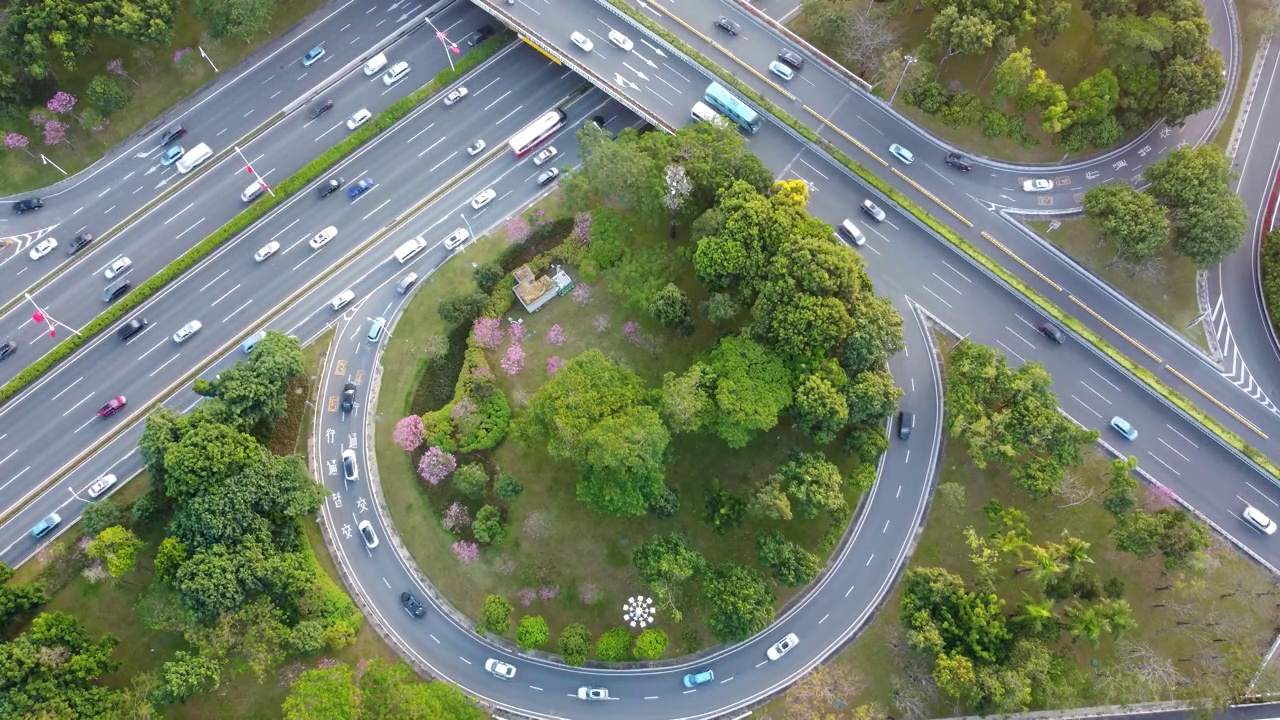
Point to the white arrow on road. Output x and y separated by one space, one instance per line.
625 82
637 72
654 48
144 154
164 181
647 60
150 170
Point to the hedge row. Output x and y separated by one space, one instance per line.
1211 424
294 183
1270 270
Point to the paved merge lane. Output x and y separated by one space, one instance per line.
203 203
55 421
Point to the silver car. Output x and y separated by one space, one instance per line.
186 331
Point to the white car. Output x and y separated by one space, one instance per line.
187 331
782 646
902 153
101 485
366 531
42 248
545 155
593 693
338 302
323 237
497 668
1260 522
1037 185
783 71
455 96
361 117
475 147
484 198
621 40
350 471
456 238
117 267
582 41
266 251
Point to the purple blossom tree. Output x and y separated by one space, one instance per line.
513 361
61 102
180 55
116 67
518 229
39 116
55 132
488 332
456 517
549 593
540 217
600 322
526 596
631 329
589 593
556 336
436 465
516 331
17 141
463 409
581 228
581 293
466 552
554 364
408 433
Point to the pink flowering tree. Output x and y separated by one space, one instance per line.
488 332
436 465
540 217
184 59
518 229
556 336
581 293
408 433
116 67
516 331
554 364
17 141
549 593
39 116
61 102
466 552
581 228
456 517
526 596
55 132
588 593
631 329
513 361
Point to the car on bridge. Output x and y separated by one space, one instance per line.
582 41
728 25
313 56
101 485
186 331
621 40
323 237
266 251
902 153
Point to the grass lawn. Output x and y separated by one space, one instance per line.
157 84
115 607
1179 618
548 524
1168 291
1070 58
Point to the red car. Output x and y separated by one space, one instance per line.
112 407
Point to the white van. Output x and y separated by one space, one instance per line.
192 159
375 64
405 252
702 112
851 231
341 300
252 192
396 73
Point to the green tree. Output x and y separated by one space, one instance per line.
496 617
1121 496
1189 85
876 336
1011 74
1035 617
55 665
651 644
752 386
614 645
623 463
40 33
814 485
807 302
471 481
961 34
507 487
820 408
830 25
533 632
206 456
670 308
187 674
323 692
170 555
235 19
687 400
943 617
1194 184
488 527
872 396
488 275
1053 19
461 309
18 599
574 644
769 501
1130 220
107 93
741 600
117 547
665 561
1094 97
163 430
101 515
720 308
792 565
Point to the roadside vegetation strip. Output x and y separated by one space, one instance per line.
1175 399
286 189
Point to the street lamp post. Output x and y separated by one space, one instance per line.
909 61
249 169
40 315
46 161
450 48
206 57
468 222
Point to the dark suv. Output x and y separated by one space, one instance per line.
958 162
728 25
133 327
79 243
480 34
348 397
412 604
172 136
791 57
335 184
7 349
27 205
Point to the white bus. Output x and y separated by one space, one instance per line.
535 132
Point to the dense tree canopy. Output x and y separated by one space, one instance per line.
1194 185
1131 220
54 670
741 602
380 691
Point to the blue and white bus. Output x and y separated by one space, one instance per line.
736 110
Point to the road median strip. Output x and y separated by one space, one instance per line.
1174 399
283 191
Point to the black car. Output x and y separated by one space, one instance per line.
172 136
322 108
480 34
1053 332
8 349
958 162
27 205
133 327
79 243
348 397
412 604
728 25
335 184
791 57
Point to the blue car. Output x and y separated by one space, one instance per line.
172 155
699 678
43 527
359 188
1123 427
313 55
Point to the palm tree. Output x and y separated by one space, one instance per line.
1044 564
1036 617
1084 622
1118 616
1074 551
